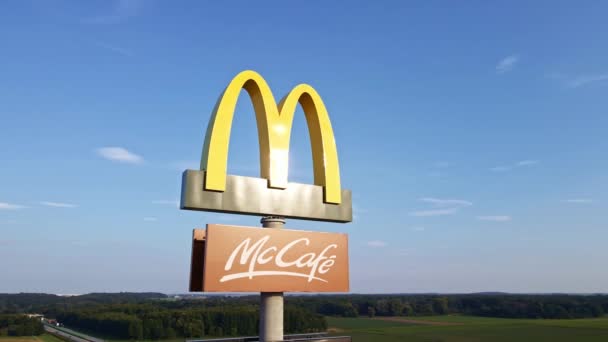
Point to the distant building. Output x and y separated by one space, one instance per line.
53 322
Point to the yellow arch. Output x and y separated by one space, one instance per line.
274 132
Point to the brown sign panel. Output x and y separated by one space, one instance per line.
196 265
243 259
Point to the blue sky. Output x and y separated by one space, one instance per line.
473 137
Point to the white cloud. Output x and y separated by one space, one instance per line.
521 163
443 207
120 154
150 219
579 200
376 243
418 229
10 206
527 162
587 79
358 211
58 204
435 212
446 202
500 168
496 218
115 49
578 81
507 64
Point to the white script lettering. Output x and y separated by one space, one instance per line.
258 253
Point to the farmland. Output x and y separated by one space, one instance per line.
397 317
467 328
41 338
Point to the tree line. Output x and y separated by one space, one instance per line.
39 302
153 322
157 316
20 325
488 305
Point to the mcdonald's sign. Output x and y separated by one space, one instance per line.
246 259
212 189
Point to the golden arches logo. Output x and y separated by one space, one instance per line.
274 124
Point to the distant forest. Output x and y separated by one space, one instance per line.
19 325
551 306
157 316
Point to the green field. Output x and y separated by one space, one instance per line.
41 338
474 329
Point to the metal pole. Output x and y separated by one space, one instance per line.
271 306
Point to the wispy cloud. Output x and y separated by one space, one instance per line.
579 200
446 202
586 80
418 229
120 11
527 162
441 207
10 206
358 211
501 168
495 218
120 154
522 163
58 204
150 219
434 212
115 49
578 81
376 243
507 64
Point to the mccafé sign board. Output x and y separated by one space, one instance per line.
226 258
243 259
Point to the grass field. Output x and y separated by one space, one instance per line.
41 338
473 329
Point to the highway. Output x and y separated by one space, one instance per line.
69 334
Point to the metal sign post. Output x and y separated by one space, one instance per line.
270 261
271 305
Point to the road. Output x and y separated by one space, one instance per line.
70 334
